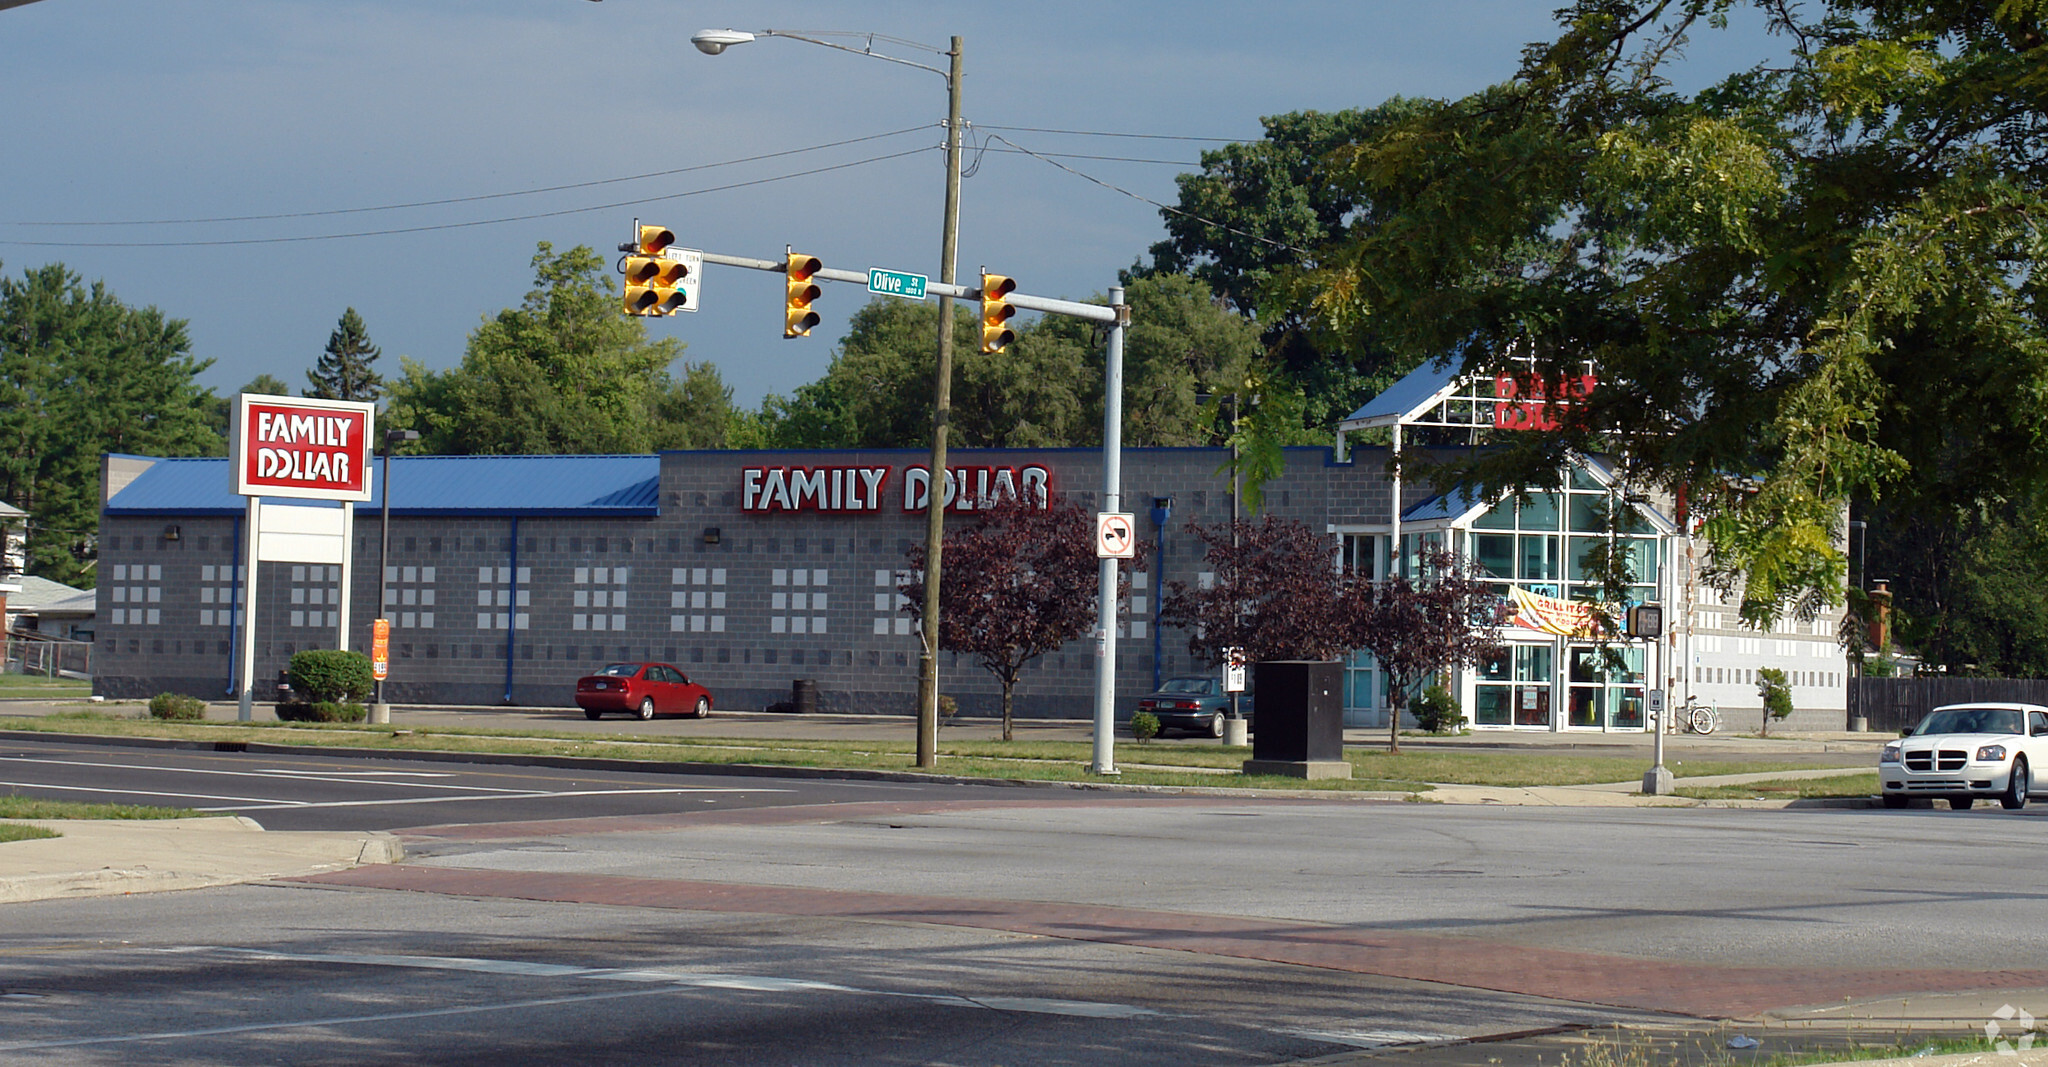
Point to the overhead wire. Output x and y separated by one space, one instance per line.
462 225
490 196
1146 199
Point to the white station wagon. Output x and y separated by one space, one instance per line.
1961 752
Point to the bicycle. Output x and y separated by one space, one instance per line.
1693 717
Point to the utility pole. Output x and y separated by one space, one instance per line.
942 414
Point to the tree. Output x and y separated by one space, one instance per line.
1968 591
1820 272
344 372
1276 593
564 372
1248 220
1043 391
1776 694
1446 618
1021 582
81 375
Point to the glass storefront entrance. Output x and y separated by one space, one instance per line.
1606 688
1514 687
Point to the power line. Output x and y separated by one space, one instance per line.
460 225
1112 159
1099 133
1146 199
486 196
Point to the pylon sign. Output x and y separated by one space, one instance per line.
301 447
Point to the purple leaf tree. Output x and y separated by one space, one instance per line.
1020 582
1446 618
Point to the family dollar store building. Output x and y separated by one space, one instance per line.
510 576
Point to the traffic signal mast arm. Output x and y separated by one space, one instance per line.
1045 304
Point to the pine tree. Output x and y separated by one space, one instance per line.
344 372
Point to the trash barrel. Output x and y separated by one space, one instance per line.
804 694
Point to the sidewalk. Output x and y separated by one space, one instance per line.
117 856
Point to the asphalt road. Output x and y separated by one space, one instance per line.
314 792
547 916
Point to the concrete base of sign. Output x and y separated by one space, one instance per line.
380 713
1234 732
1658 782
1859 724
1315 768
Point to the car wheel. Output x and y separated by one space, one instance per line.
1216 725
703 707
591 714
2018 787
646 708
1896 802
1960 803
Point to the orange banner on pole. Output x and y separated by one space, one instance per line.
380 648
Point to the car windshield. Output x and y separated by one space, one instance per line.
1188 685
622 670
1971 721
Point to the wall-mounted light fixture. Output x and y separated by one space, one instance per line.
710 535
172 533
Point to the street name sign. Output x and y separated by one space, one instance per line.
897 283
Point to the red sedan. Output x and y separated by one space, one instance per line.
643 689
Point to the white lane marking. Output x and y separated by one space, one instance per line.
295 805
339 1020
711 980
1373 1038
151 793
268 775
288 772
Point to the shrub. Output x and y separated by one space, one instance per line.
948 707
1773 687
177 706
322 711
1144 726
1436 710
326 674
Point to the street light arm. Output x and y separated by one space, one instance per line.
724 38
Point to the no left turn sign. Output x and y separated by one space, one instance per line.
1116 536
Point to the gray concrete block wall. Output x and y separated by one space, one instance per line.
748 663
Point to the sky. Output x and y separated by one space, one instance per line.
255 167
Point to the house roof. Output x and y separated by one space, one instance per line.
428 485
38 593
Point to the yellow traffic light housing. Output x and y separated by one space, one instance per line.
800 291
996 312
655 276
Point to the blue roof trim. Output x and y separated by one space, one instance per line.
429 485
1411 392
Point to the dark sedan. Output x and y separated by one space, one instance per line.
642 689
1195 705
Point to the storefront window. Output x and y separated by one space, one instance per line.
1606 688
1495 553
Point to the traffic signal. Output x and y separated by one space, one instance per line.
655 277
800 290
996 311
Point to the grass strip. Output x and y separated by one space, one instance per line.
20 807
15 832
1036 760
29 685
1846 785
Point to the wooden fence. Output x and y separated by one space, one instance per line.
1892 704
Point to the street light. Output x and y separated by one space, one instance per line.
715 42
391 438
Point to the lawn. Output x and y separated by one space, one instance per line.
1846 785
1064 761
35 685
13 832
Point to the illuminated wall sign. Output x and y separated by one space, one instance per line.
812 488
1539 406
978 488
857 489
294 447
